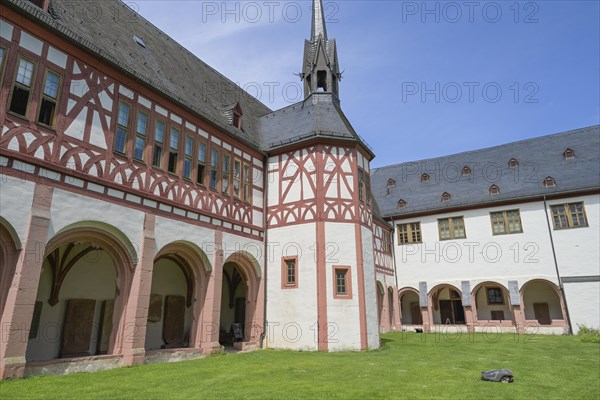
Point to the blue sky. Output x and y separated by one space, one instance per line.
421 79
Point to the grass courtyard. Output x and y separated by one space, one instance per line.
406 366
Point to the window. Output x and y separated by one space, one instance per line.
226 173
157 151
237 119
22 88
401 203
497 315
549 182
446 196
387 242
494 295
122 127
466 170
494 189
289 272
140 136
568 154
504 222
512 163
452 228
187 157
368 188
391 183
173 150
425 178
201 166
361 185
214 165
342 283
3 53
409 233
247 183
50 92
570 215
237 177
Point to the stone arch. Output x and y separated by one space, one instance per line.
391 308
441 312
380 302
10 247
251 274
101 238
410 308
543 303
494 308
194 265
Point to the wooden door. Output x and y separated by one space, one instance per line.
541 311
458 312
446 312
77 328
240 313
415 313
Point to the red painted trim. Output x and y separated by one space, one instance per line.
364 344
284 283
348 294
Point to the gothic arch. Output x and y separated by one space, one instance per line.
10 247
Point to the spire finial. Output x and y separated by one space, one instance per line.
318 21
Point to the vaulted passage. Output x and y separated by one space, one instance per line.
233 305
542 302
411 311
447 306
74 312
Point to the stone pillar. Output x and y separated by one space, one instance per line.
211 313
136 310
397 311
519 318
469 320
18 310
427 318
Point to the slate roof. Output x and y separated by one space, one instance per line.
319 115
538 158
163 64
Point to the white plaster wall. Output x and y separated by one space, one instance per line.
233 243
168 231
93 277
167 280
578 249
16 196
343 315
481 256
370 292
68 208
292 313
540 292
583 300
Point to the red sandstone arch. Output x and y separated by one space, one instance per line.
507 302
434 303
10 247
196 268
124 256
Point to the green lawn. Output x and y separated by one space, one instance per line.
406 366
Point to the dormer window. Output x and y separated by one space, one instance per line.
445 197
236 118
43 4
549 182
401 203
139 41
425 178
494 189
391 183
513 163
466 170
568 154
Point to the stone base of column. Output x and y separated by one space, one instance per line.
11 368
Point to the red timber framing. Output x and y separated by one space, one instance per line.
319 184
79 146
382 248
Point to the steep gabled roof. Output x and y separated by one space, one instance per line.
537 159
318 116
161 63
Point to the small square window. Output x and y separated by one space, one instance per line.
342 282
289 272
494 295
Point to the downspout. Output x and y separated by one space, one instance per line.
560 283
266 256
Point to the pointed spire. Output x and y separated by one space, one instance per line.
318 21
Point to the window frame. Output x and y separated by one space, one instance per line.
410 232
361 185
56 100
238 179
139 135
348 282
188 158
284 272
125 128
22 86
247 182
487 296
160 144
214 168
201 178
226 174
506 222
452 228
569 216
173 150
3 62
